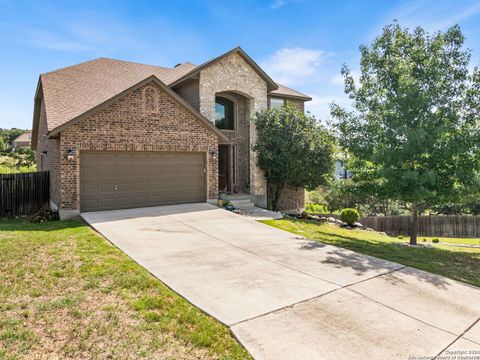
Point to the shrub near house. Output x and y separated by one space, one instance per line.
293 149
349 216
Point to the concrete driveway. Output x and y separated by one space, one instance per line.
285 297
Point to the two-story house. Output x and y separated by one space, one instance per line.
117 134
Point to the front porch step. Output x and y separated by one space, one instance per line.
241 201
242 204
231 197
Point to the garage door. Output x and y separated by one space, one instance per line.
119 180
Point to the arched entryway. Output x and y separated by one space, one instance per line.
232 117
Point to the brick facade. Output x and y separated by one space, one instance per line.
147 119
232 74
150 119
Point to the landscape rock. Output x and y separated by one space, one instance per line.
335 221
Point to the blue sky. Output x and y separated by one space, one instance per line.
300 43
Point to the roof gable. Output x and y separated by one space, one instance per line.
143 82
271 85
71 91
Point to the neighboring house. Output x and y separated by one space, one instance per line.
340 171
117 134
23 140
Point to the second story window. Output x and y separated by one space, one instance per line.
276 102
224 113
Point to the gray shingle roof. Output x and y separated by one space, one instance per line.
286 91
71 91
26 136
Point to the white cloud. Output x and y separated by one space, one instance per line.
322 100
320 104
100 34
292 66
313 72
88 32
277 4
433 15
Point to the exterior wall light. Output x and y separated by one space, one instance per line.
71 154
213 154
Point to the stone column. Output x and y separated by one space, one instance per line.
258 184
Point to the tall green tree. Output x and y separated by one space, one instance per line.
9 135
293 149
413 131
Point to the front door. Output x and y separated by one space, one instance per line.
223 168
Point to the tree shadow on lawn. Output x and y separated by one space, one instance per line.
458 265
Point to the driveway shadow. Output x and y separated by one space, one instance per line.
369 255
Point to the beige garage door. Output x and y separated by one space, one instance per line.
119 180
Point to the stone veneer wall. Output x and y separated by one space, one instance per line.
300 104
233 74
240 138
147 119
292 200
51 160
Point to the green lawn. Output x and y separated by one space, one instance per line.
455 262
464 241
65 292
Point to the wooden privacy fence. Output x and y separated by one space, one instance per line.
455 226
23 194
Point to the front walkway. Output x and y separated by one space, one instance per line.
286 297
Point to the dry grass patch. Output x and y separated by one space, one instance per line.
67 293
